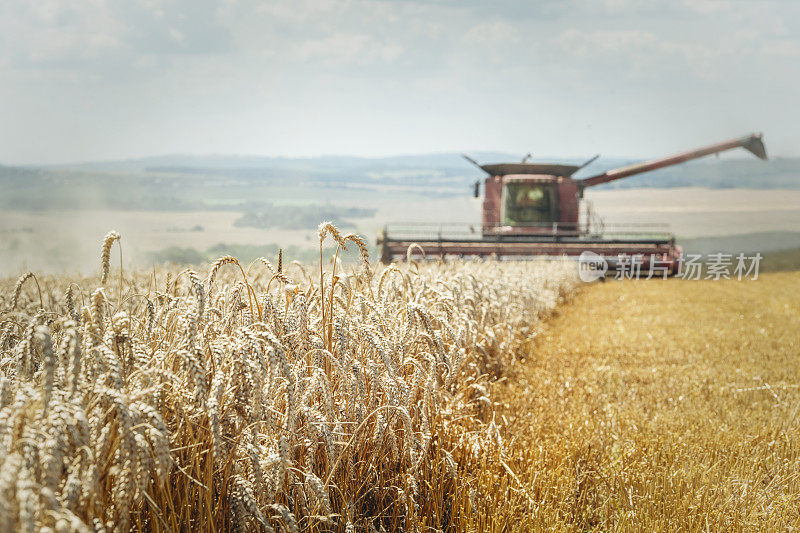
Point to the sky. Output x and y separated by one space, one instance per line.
87 80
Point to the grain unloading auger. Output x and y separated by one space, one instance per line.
532 209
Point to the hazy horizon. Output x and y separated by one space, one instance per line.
491 156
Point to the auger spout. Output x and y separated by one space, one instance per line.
753 143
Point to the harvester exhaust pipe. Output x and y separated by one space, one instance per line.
752 143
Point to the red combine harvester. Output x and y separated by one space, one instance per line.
532 209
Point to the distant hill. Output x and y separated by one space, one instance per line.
709 172
338 163
780 250
766 241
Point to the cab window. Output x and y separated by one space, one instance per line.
529 203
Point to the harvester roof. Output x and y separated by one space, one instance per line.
502 169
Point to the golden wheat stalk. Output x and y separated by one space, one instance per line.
219 404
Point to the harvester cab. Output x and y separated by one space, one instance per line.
532 209
530 198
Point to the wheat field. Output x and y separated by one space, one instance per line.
346 396
330 397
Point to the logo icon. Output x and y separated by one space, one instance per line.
591 266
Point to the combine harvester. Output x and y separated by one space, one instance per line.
532 209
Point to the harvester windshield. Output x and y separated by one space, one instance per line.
528 203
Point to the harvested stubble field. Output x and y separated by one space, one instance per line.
656 406
259 397
413 397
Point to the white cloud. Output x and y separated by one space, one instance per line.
347 49
487 33
785 48
57 34
708 6
605 42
